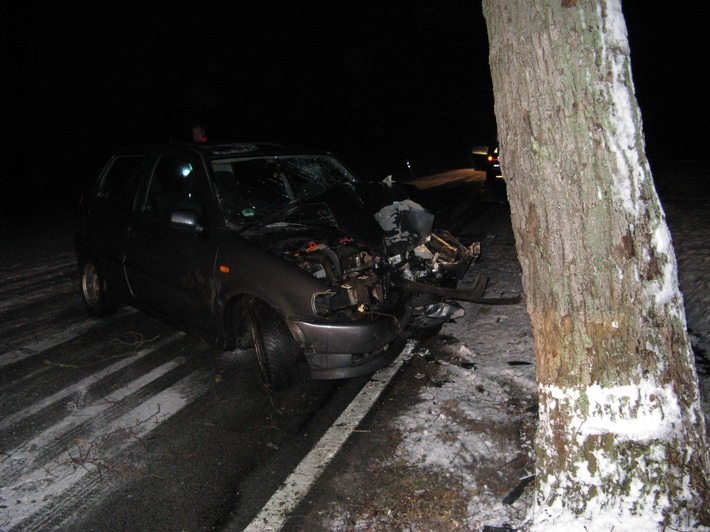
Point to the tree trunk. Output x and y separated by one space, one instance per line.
621 436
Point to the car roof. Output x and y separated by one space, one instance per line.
227 150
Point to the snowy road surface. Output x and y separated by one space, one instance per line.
127 420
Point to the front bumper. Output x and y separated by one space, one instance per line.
344 350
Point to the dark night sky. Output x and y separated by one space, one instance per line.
373 81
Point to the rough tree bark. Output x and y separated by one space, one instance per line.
621 438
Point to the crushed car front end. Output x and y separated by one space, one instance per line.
369 298
353 269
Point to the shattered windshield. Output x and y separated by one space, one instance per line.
252 189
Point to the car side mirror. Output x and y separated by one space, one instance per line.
186 219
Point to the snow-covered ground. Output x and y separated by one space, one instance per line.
492 397
475 417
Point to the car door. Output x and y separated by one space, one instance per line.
107 216
170 266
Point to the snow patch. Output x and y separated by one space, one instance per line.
623 128
643 412
647 412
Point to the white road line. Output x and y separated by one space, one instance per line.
70 332
275 513
85 383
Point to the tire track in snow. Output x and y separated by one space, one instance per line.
82 423
63 459
45 496
77 387
39 276
36 284
53 312
22 271
54 340
55 290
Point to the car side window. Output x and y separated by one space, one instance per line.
119 180
176 183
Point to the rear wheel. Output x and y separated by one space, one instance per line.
275 347
94 291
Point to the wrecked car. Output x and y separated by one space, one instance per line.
286 251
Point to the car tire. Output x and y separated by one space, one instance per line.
94 290
276 350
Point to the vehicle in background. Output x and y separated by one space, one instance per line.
485 158
479 156
493 164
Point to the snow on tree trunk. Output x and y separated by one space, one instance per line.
621 437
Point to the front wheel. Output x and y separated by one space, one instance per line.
275 347
94 291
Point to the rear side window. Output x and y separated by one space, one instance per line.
119 179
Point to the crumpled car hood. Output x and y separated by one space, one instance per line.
370 213
339 207
372 246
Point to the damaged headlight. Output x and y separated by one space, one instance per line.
345 298
320 303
